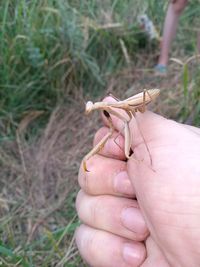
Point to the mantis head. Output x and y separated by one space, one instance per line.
89 107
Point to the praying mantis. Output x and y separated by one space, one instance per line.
130 106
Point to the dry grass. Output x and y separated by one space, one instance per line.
38 177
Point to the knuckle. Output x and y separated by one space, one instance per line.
86 241
79 201
95 210
84 177
89 208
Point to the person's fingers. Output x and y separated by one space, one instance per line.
120 216
103 249
105 176
114 147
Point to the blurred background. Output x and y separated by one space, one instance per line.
55 56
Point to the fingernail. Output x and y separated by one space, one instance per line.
133 220
132 254
122 184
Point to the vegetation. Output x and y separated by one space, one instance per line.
53 54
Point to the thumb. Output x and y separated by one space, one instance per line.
173 148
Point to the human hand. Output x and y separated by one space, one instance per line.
169 195
113 228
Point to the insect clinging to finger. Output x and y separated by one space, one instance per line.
131 105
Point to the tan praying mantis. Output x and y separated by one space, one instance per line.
131 105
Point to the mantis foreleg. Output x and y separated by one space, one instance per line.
127 134
96 149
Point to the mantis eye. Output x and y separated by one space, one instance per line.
106 114
130 152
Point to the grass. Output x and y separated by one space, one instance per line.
49 48
53 55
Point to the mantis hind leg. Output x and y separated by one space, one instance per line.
114 97
145 143
142 108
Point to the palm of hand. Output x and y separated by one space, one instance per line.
169 195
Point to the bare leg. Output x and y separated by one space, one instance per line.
198 42
174 11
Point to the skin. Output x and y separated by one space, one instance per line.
134 214
174 11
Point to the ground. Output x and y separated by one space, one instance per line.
41 185
55 58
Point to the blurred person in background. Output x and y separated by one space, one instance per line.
175 9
